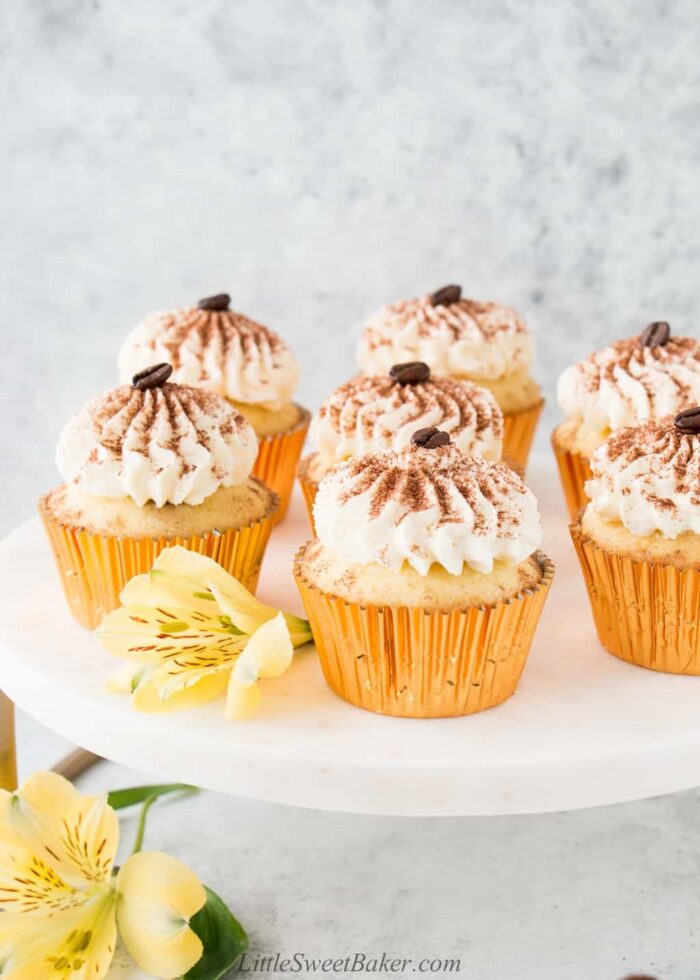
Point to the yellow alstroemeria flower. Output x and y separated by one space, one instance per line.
60 902
190 633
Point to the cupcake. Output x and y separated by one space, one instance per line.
638 542
425 585
644 377
460 338
146 466
381 412
210 346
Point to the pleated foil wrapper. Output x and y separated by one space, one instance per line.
518 433
277 461
95 568
309 488
645 613
413 663
574 470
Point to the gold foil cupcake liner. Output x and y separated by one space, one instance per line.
95 568
645 613
309 488
277 460
574 470
518 433
414 663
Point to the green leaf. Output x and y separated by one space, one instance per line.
223 937
121 798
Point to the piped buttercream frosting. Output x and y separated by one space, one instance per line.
372 414
217 349
481 341
171 444
426 506
647 477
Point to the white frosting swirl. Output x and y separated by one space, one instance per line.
171 445
220 350
426 506
626 383
371 414
481 341
647 477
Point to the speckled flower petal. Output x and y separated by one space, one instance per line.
71 945
184 624
248 614
182 578
153 635
71 836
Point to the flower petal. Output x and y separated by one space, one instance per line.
127 678
147 698
75 837
90 836
31 884
177 578
158 895
245 611
268 653
150 635
71 945
184 578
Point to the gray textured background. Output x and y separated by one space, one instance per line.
317 159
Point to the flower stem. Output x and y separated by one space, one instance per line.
141 826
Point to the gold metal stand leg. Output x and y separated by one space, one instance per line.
8 752
76 763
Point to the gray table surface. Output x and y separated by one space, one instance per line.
591 895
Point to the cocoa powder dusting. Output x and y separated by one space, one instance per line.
160 419
465 318
416 479
224 333
629 359
377 405
658 453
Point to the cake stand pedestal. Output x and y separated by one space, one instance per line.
583 729
8 754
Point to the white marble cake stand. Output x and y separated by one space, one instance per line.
583 728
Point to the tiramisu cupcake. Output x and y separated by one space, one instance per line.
372 413
148 465
638 542
425 585
483 342
210 346
644 377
